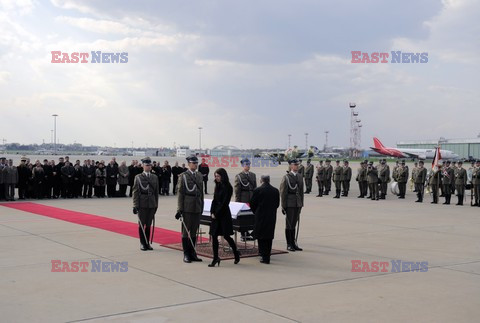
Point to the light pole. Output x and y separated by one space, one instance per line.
54 133
200 137
51 139
289 136
306 142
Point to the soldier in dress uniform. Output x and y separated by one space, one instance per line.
419 180
145 202
301 169
328 176
384 178
453 166
337 179
447 179
402 178
291 192
320 178
414 175
347 177
10 179
190 207
309 170
394 171
245 183
476 183
372 179
360 174
435 181
460 182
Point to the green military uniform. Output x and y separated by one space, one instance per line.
320 179
435 181
145 202
301 169
476 183
402 178
447 179
245 183
384 178
328 177
419 181
190 206
361 179
460 182
291 193
309 170
372 180
347 177
337 179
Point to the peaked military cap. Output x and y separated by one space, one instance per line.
147 161
293 161
245 161
192 159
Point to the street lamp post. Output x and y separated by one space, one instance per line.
54 133
289 136
200 137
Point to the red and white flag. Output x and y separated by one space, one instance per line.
436 158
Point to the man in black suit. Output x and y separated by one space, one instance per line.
204 170
176 170
264 203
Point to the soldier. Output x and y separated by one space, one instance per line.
309 170
337 179
419 180
10 179
204 169
190 207
402 178
460 182
444 166
291 192
2 185
145 202
347 177
476 183
453 166
23 176
131 176
320 178
245 183
394 171
328 176
176 171
301 169
372 179
435 181
384 178
359 178
447 179
414 175
365 178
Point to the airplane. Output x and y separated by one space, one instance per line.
410 152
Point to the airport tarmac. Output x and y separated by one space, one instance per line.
315 285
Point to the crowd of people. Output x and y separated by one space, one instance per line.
67 179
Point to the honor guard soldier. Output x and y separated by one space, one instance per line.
245 183
309 170
301 168
435 181
360 174
328 176
291 192
402 178
453 166
414 175
145 202
320 178
347 177
447 179
372 180
337 179
384 178
190 207
460 182
419 180
476 183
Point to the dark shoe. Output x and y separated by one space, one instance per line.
237 257
290 248
297 248
265 261
149 247
143 248
433 202
186 258
319 195
215 261
360 197
194 257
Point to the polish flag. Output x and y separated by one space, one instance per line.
436 158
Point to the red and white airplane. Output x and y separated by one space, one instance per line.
410 152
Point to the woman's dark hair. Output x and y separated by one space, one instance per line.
223 174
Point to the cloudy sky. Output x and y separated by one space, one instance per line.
248 72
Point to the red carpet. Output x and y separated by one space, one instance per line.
162 236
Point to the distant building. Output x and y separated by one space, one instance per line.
463 147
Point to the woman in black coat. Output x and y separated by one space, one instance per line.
221 217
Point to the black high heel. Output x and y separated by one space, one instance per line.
214 262
237 257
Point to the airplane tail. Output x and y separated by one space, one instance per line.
377 143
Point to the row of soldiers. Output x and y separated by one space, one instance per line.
73 180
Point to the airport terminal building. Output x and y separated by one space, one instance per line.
463 147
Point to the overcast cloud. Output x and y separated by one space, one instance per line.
248 72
